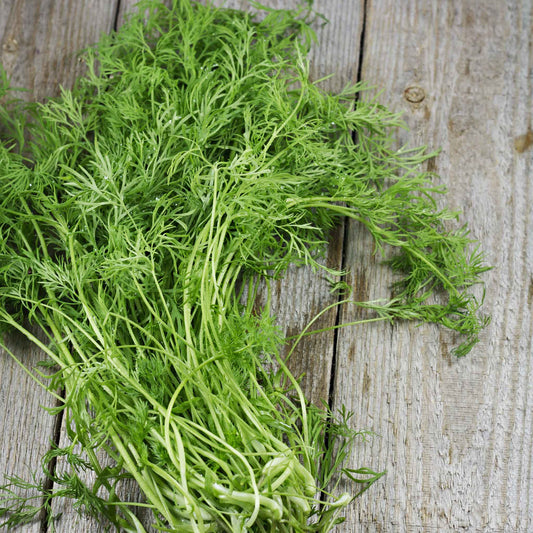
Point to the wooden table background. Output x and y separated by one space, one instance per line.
456 436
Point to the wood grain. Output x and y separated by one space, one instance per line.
26 428
39 42
455 435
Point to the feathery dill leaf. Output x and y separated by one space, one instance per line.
193 158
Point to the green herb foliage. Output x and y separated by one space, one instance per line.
138 214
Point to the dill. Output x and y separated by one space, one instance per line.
139 211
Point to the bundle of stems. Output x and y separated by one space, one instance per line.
140 211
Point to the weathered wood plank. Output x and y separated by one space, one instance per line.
39 42
26 428
127 7
21 399
42 39
456 435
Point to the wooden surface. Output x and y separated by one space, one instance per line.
455 436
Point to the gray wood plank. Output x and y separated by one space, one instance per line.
42 39
455 435
38 48
302 294
128 7
26 428
21 399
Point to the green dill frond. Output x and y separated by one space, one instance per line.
193 160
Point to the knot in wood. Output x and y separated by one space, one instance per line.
10 45
414 94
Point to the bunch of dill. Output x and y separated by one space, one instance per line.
138 212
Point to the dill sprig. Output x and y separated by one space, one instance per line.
138 211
